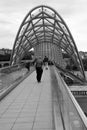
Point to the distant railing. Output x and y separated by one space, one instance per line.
79 93
10 75
71 113
77 79
10 69
4 64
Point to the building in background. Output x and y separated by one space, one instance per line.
4 51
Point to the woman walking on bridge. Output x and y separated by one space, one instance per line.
39 68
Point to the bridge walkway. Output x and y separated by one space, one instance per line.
29 106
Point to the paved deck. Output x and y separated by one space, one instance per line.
28 106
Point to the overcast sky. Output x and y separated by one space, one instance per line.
74 13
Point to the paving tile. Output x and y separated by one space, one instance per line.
39 119
26 114
25 120
44 114
19 128
13 110
43 129
44 118
10 115
5 126
7 120
22 126
44 125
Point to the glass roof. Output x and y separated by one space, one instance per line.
44 24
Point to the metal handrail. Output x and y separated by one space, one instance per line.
72 114
9 69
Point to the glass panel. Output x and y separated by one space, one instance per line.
72 115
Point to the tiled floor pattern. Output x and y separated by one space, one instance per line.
28 106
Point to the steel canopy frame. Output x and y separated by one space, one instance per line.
44 24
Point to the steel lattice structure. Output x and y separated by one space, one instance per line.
44 28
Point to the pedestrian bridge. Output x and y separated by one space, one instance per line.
49 105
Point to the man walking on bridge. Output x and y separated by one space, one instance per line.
39 69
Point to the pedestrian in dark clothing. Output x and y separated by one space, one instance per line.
46 61
39 69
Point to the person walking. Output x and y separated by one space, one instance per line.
46 61
39 69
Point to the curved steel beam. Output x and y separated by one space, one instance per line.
43 24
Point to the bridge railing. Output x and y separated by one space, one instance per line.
10 75
10 69
77 79
73 117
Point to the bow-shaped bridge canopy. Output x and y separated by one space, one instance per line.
44 30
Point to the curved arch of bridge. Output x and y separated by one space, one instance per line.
44 30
